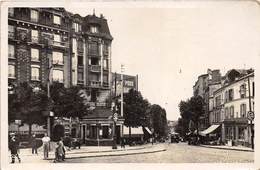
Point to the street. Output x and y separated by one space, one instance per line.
177 153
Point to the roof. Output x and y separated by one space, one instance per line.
99 113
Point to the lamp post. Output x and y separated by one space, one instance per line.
115 118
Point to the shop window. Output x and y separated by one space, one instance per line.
105 132
241 133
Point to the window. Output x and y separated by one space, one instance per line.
242 91
35 73
11 71
94 29
57 57
56 20
80 76
76 27
80 60
34 15
105 64
34 54
58 75
11 12
105 77
11 51
218 100
226 113
34 35
57 38
11 31
243 110
226 96
93 48
241 133
94 61
231 111
230 94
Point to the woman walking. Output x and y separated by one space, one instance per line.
14 146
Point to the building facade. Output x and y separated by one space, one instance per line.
54 44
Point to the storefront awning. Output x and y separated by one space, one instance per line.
148 130
211 129
134 131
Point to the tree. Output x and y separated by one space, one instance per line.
27 105
158 120
68 102
135 107
190 111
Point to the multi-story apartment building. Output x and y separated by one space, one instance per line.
204 87
66 48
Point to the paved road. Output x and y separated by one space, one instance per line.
177 153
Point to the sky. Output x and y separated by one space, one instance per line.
170 44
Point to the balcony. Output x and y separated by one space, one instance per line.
80 81
94 83
12 76
59 80
34 39
12 56
35 78
60 44
35 59
95 68
105 84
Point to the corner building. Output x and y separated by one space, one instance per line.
78 49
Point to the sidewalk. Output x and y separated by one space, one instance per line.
237 148
89 151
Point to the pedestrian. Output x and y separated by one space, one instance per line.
59 152
33 144
122 142
14 147
46 145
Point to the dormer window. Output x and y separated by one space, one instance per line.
56 20
93 29
76 27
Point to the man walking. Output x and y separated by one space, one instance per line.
34 145
46 144
14 146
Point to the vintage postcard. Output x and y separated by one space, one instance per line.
168 85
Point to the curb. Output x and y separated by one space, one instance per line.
234 149
123 154
115 150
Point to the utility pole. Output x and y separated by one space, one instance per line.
122 90
250 112
113 116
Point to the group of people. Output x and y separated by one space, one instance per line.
59 148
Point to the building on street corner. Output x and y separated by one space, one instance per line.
78 51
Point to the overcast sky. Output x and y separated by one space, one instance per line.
170 45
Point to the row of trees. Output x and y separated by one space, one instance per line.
139 112
28 104
191 110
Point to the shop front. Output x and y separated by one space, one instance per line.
237 132
96 129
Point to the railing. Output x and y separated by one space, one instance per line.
59 62
11 56
60 80
80 81
60 44
34 39
11 75
95 68
11 35
35 78
35 58
105 84
94 83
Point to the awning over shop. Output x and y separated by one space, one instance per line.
134 131
148 130
211 129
